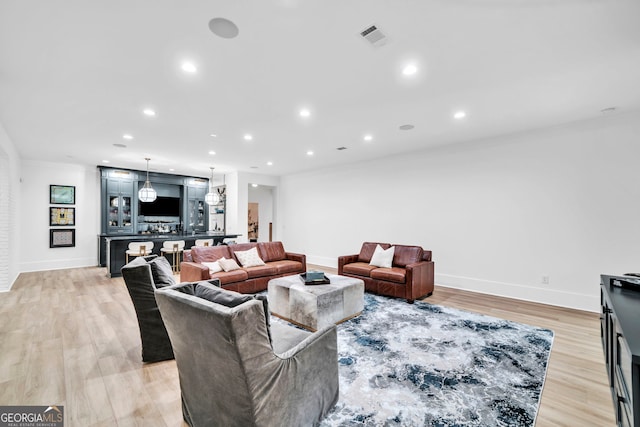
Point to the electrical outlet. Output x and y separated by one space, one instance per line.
545 280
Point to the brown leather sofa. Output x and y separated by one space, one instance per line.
411 275
245 280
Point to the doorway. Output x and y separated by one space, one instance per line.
260 213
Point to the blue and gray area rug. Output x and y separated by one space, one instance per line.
428 365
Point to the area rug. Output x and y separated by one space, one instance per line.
428 365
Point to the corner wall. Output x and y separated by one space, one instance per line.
499 214
9 217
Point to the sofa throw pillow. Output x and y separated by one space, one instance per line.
161 272
228 264
382 257
214 267
249 258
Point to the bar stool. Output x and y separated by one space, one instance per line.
204 242
175 248
137 249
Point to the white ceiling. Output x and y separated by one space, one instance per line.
76 74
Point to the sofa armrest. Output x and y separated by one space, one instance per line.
301 258
420 280
193 272
346 259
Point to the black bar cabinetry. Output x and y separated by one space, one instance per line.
620 332
120 206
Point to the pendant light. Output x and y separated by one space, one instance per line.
212 197
147 193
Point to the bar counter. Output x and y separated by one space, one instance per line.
111 248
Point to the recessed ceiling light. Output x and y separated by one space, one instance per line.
248 137
459 115
254 185
213 135
213 153
149 112
171 170
127 136
224 28
105 161
309 153
368 137
120 145
269 163
305 112
189 67
409 70
406 127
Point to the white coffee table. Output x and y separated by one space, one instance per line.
316 306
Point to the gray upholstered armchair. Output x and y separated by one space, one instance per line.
142 276
237 370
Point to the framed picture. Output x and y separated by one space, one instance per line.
62 238
62 216
62 194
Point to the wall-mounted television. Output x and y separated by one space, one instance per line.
161 206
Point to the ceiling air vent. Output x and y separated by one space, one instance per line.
374 36
341 148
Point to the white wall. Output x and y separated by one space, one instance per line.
35 254
10 222
238 200
498 214
263 196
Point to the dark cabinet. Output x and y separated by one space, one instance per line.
179 208
196 218
119 209
620 332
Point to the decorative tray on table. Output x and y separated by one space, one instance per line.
314 278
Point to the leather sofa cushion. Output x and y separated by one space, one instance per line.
209 253
359 268
226 277
366 252
393 274
405 255
287 266
261 271
271 251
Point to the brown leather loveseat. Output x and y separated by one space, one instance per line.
411 275
247 280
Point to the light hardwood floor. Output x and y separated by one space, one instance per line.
70 337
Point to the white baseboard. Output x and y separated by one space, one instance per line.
522 292
60 264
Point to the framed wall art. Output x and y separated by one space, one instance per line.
62 194
62 238
62 216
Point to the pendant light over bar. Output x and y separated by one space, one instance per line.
147 193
